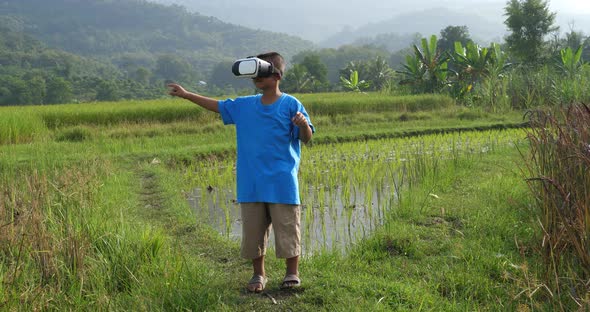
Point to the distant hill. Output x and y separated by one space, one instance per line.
106 28
18 49
318 20
120 49
32 73
309 19
426 23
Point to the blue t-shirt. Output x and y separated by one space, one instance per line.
268 147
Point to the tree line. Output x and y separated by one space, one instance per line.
534 66
77 51
132 57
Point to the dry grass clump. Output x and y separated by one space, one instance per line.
559 171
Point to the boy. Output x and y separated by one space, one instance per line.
269 128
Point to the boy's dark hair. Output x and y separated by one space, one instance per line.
276 59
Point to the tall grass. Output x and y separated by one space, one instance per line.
64 244
41 244
559 170
81 122
346 103
20 127
111 113
527 88
545 87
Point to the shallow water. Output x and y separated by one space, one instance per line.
346 189
333 224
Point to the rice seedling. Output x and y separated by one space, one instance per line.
347 189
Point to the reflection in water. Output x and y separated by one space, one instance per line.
217 208
334 224
348 188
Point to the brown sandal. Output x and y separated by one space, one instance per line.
257 279
290 281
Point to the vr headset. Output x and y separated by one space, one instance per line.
253 67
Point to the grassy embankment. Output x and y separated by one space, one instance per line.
94 215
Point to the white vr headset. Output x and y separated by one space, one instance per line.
253 67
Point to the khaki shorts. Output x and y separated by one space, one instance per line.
257 221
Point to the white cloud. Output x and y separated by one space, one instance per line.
570 6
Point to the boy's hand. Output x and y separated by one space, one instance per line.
299 120
177 90
305 130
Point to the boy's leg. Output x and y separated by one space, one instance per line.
292 265
286 224
255 231
258 265
292 270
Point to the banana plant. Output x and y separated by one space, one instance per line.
499 60
474 63
471 65
375 71
353 83
471 61
427 69
380 72
298 79
414 72
571 62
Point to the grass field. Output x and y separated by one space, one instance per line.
95 214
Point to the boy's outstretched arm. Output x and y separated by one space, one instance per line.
203 101
305 132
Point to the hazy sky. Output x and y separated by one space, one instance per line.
364 9
571 6
318 19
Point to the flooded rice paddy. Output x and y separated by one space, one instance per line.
348 189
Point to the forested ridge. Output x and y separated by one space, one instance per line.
64 51
108 50
104 27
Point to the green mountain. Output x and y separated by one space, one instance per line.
105 27
125 40
21 50
32 73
